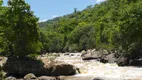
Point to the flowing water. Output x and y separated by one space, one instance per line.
92 69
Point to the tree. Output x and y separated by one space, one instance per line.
2 23
83 36
1 39
75 10
131 25
21 29
52 41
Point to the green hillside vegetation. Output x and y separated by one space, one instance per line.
113 24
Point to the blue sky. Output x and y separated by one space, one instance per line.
48 9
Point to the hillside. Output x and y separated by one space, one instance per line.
113 24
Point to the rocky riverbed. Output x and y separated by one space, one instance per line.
94 70
58 64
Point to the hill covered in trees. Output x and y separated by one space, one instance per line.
113 24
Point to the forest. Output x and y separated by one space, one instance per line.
111 25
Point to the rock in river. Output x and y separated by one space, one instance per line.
62 69
21 67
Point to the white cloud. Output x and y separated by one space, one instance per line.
51 17
42 20
54 16
99 1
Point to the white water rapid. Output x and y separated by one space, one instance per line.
89 70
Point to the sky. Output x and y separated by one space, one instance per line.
48 9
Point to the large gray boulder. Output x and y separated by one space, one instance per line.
58 68
122 60
20 67
111 58
91 54
96 54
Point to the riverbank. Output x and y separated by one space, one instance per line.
88 69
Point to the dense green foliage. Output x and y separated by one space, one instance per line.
113 24
19 32
2 10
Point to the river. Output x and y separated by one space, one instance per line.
94 70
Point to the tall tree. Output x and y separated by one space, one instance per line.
22 33
2 23
0 26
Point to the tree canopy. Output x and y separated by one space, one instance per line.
112 24
21 34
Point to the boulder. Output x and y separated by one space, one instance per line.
88 51
2 61
122 61
93 50
30 76
62 69
46 78
89 58
135 62
96 54
91 54
105 52
109 58
136 52
71 54
98 79
66 54
11 78
19 67
83 53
